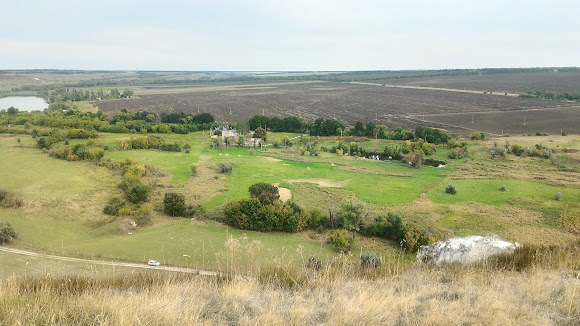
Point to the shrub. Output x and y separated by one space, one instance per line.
138 193
457 153
7 233
144 214
193 168
502 188
517 149
341 240
558 196
415 237
368 259
390 227
563 133
313 262
477 136
115 207
10 200
226 167
174 204
450 189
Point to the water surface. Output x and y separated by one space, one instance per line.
23 103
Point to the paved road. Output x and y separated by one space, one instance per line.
110 263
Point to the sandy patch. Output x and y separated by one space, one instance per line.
285 194
271 159
322 182
308 168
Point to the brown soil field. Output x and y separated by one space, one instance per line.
549 121
560 82
347 102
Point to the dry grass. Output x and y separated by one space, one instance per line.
450 295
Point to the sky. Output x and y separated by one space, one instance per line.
295 35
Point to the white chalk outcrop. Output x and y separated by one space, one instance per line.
465 250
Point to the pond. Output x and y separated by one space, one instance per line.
23 103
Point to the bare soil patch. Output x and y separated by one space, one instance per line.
322 182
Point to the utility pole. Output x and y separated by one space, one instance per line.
524 121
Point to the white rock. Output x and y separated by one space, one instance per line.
465 250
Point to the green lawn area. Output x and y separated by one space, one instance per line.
487 192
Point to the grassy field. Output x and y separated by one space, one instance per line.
64 200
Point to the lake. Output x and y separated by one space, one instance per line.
23 103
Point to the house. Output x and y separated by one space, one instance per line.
230 133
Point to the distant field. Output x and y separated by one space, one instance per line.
347 102
551 121
560 82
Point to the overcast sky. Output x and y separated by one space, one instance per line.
288 35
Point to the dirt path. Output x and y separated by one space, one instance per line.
110 263
438 89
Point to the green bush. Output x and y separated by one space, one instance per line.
7 233
174 204
264 192
558 196
389 227
517 149
415 237
341 240
116 207
450 189
250 214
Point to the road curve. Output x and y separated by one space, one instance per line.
111 263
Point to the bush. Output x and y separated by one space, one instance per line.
144 214
138 193
558 196
450 189
477 136
368 259
10 200
341 240
116 207
174 204
390 227
313 262
7 233
264 192
226 167
517 149
457 153
415 237
193 168
502 188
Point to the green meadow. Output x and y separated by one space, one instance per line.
63 211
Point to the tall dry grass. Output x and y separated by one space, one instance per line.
539 286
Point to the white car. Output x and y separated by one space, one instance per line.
153 263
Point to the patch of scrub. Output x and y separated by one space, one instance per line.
322 182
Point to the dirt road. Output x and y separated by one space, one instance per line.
110 263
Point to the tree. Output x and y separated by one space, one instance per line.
203 118
266 193
12 110
260 133
241 141
351 216
174 204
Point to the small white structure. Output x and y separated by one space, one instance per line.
230 133
465 250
